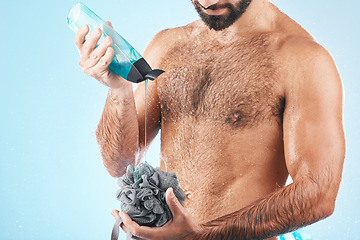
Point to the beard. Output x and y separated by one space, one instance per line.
221 22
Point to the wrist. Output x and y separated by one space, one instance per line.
197 232
122 93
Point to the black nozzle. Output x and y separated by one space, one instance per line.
154 74
141 70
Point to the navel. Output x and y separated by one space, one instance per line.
188 195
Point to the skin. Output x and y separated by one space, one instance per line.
239 110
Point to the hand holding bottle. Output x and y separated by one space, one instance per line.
94 60
126 61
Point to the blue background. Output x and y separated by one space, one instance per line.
52 182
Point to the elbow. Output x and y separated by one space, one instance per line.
116 174
114 170
327 209
117 166
326 206
321 200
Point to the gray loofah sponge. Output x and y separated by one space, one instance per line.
142 194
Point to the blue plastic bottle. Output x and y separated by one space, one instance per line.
127 62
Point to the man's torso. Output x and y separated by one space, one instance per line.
221 119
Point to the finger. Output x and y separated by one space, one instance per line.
99 52
80 36
176 208
129 224
115 214
91 42
102 66
108 22
137 230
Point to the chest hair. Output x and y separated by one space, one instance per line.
230 83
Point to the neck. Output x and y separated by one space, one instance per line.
259 16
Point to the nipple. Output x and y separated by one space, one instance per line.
236 116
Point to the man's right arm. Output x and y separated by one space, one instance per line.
118 130
121 130
123 119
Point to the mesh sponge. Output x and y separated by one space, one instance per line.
142 194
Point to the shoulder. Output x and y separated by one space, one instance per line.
165 40
301 49
303 63
302 52
311 81
297 53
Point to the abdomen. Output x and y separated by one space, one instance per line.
221 169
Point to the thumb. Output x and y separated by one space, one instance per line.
175 207
108 22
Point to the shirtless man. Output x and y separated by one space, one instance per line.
247 98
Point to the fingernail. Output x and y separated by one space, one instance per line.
171 193
83 28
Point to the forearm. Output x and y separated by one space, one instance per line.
118 132
287 209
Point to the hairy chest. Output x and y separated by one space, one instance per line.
231 83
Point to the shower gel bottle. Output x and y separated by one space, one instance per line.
127 62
